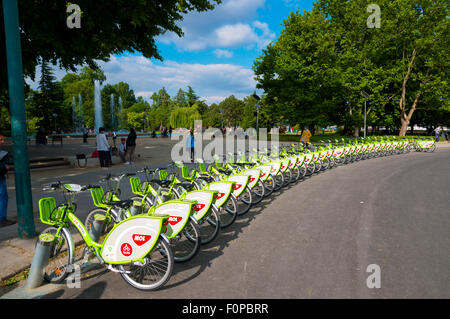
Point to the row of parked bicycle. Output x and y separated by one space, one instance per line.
175 210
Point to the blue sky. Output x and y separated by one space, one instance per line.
214 57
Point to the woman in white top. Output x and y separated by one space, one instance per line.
103 148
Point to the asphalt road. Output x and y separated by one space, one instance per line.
317 238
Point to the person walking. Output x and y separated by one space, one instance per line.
305 136
437 133
190 143
4 161
103 148
85 134
131 146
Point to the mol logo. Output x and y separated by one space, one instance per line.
251 180
263 174
173 220
141 239
219 195
237 186
198 207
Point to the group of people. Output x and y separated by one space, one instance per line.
126 148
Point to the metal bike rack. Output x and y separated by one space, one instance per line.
40 260
97 227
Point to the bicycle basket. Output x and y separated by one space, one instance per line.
97 196
136 187
47 211
163 175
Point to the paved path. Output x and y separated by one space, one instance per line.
316 239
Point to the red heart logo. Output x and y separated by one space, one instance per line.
141 239
263 174
251 179
237 186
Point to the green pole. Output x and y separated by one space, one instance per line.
18 123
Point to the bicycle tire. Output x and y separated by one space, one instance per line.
159 264
187 243
109 224
269 185
209 226
279 181
295 174
244 201
56 269
228 212
258 192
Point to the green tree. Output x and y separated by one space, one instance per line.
184 117
107 28
232 110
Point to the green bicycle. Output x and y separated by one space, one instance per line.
136 247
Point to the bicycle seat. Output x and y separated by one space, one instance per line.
121 203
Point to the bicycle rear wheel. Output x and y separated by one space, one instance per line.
187 243
209 226
258 192
269 185
61 256
228 212
154 272
279 181
244 201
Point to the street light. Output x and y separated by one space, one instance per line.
55 116
366 96
257 98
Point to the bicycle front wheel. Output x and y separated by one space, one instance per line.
154 272
109 220
61 257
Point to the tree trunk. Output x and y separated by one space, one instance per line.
356 131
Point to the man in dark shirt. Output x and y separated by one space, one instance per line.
4 161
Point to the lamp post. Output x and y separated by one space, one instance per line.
366 96
257 98
24 202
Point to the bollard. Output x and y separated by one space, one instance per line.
40 260
136 209
97 227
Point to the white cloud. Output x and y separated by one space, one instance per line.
212 82
229 25
223 53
